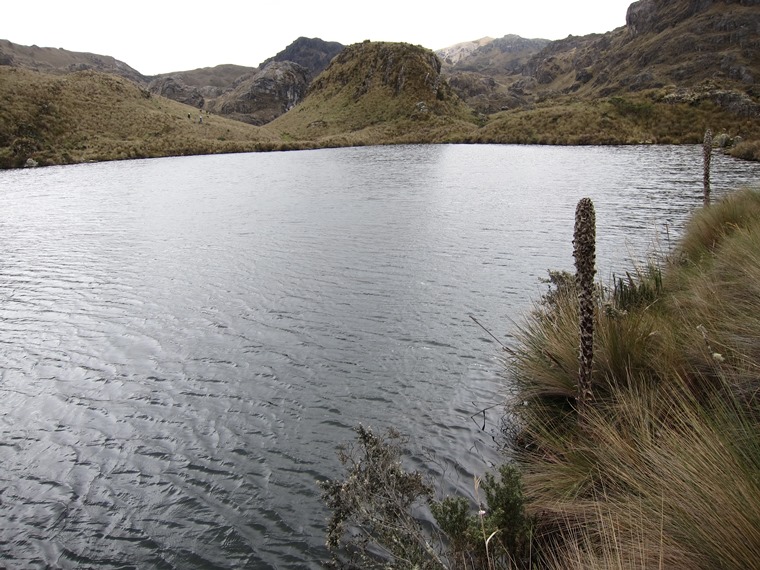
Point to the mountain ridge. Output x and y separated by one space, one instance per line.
675 68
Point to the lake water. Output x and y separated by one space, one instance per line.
184 342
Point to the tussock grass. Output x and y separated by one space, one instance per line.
631 119
747 150
91 116
664 472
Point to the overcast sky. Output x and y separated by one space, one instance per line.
159 36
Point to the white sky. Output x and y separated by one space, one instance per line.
165 35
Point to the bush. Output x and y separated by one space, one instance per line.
378 520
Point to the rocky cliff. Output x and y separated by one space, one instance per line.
376 86
313 54
176 89
264 95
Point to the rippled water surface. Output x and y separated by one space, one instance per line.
185 341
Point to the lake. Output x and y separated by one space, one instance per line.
186 341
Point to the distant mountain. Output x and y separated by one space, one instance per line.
313 54
675 45
679 43
454 54
502 56
209 82
480 71
252 95
264 95
52 60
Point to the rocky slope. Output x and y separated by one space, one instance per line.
390 91
264 95
313 54
690 48
52 60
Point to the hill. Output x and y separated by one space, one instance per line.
377 92
675 68
90 116
52 60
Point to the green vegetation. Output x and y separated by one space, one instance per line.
378 93
642 118
372 93
91 116
663 471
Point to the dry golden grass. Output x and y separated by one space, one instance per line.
664 471
88 116
631 119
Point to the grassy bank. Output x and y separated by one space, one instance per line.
664 469
91 116
659 469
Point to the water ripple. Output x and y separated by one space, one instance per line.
185 342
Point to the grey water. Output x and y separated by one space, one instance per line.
184 342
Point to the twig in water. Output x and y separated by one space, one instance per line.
503 346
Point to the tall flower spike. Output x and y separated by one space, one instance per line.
707 154
584 252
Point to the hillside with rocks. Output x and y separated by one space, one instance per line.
378 91
691 48
676 68
59 60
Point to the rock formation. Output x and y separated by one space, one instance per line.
176 89
265 95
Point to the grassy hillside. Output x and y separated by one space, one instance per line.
661 116
86 116
378 93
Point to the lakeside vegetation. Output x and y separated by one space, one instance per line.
661 471
376 94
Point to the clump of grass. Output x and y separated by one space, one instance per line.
707 228
664 468
746 150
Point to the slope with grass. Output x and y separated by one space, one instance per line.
664 468
378 93
90 116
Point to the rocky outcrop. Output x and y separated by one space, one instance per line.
313 54
654 16
458 52
395 68
266 95
176 90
